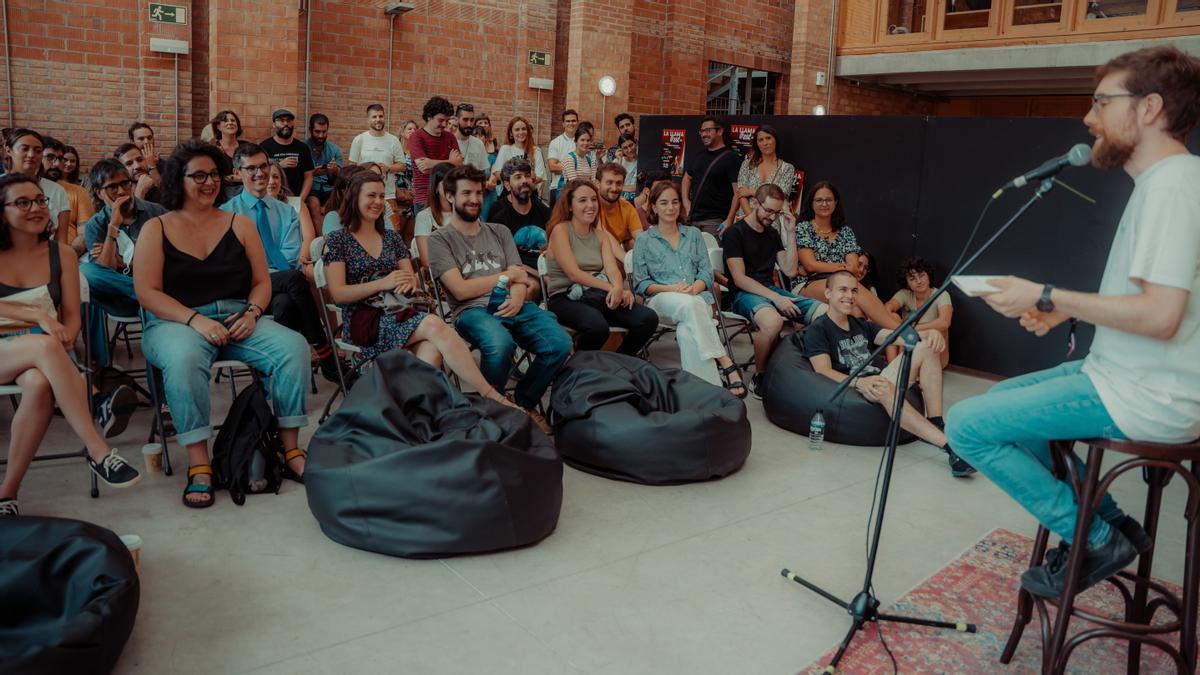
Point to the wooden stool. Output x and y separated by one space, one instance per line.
1159 464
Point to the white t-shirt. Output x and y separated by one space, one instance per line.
423 227
473 152
507 152
384 150
560 147
1151 387
57 198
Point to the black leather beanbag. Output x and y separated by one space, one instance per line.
620 417
68 596
793 392
410 466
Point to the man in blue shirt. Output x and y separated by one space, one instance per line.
279 228
328 159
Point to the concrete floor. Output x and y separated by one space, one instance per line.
636 579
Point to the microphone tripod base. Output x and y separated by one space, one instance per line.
864 608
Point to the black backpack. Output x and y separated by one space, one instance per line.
250 430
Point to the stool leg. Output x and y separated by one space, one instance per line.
1191 582
1024 599
1157 480
1083 523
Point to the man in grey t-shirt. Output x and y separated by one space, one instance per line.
468 258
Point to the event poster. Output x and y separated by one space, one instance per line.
742 137
672 150
798 193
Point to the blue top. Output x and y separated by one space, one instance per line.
655 262
282 239
96 228
332 223
330 153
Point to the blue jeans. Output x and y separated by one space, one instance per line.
746 304
111 293
1005 433
533 329
185 359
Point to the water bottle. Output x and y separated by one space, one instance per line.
499 294
816 431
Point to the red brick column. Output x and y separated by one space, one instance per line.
253 58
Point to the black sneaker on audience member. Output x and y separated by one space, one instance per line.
9 508
1126 525
959 467
114 470
114 410
756 384
1047 580
329 366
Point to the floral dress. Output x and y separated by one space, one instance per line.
361 267
784 177
844 243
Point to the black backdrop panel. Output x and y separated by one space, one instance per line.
914 186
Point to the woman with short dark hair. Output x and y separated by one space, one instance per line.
763 165
918 280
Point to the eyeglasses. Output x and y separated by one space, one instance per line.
824 200
1101 100
25 203
52 158
112 189
253 169
771 213
200 177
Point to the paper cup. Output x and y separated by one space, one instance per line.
152 453
134 544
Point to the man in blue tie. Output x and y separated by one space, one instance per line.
279 227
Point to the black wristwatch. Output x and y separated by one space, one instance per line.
1045 304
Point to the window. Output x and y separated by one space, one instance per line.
1032 12
905 16
1112 9
733 90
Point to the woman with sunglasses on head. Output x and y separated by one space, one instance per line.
201 275
39 320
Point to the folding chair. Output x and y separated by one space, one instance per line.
13 391
727 319
665 324
327 308
542 268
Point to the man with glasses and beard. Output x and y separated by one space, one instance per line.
377 145
468 257
293 156
521 211
77 197
1141 378
145 178
710 180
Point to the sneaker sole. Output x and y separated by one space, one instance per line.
119 486
124 403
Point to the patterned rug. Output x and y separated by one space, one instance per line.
981 587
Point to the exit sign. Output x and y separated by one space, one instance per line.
539 58
160 13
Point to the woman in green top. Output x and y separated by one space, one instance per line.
584 285
917 275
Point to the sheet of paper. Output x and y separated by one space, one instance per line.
974 284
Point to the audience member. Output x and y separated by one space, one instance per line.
404 193
142 135
227 133
430 145
710 180
145 179
25 148
437 215
277 189
580 162
470 147
468 257
491 147
282 239
671 270
327 161
626 156
618 216
383 148
39 320
916 281
826 244
293 155
522 211
625 127
77 197
839 342
645 182
201 274
584 285
71 166
332 222
763 165
520 144
560 146
752 250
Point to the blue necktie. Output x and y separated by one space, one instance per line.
275 259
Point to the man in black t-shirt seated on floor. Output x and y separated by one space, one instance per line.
838 342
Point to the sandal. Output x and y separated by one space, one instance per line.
731 385
288 456
199 488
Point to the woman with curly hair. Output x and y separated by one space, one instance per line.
917 277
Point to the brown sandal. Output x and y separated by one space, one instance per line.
287 470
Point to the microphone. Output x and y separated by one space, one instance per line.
1080 155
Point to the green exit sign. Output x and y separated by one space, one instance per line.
539 58
160 13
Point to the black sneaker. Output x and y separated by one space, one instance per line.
114 470
1099 564
9 508
959 467
1126 525
756 386
329 367
114 410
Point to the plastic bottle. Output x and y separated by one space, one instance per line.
816 431
499 294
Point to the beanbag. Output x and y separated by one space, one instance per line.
410 466
69 593
620 417
793 392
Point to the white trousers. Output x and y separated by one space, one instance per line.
695 332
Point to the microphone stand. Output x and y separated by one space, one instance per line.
863 608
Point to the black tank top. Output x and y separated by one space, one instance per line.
223 275
55 285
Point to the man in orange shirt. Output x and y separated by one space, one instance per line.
617 215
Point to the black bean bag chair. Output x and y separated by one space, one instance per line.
792 393
68 596
620 417
410 466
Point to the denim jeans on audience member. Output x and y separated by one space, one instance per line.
1005 433
747 304
111 294
535 330
185 359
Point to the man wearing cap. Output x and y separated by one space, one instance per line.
521 211
293 155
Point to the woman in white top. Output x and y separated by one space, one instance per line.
917 275
520 143
627 157
437 215
581 163
763 165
